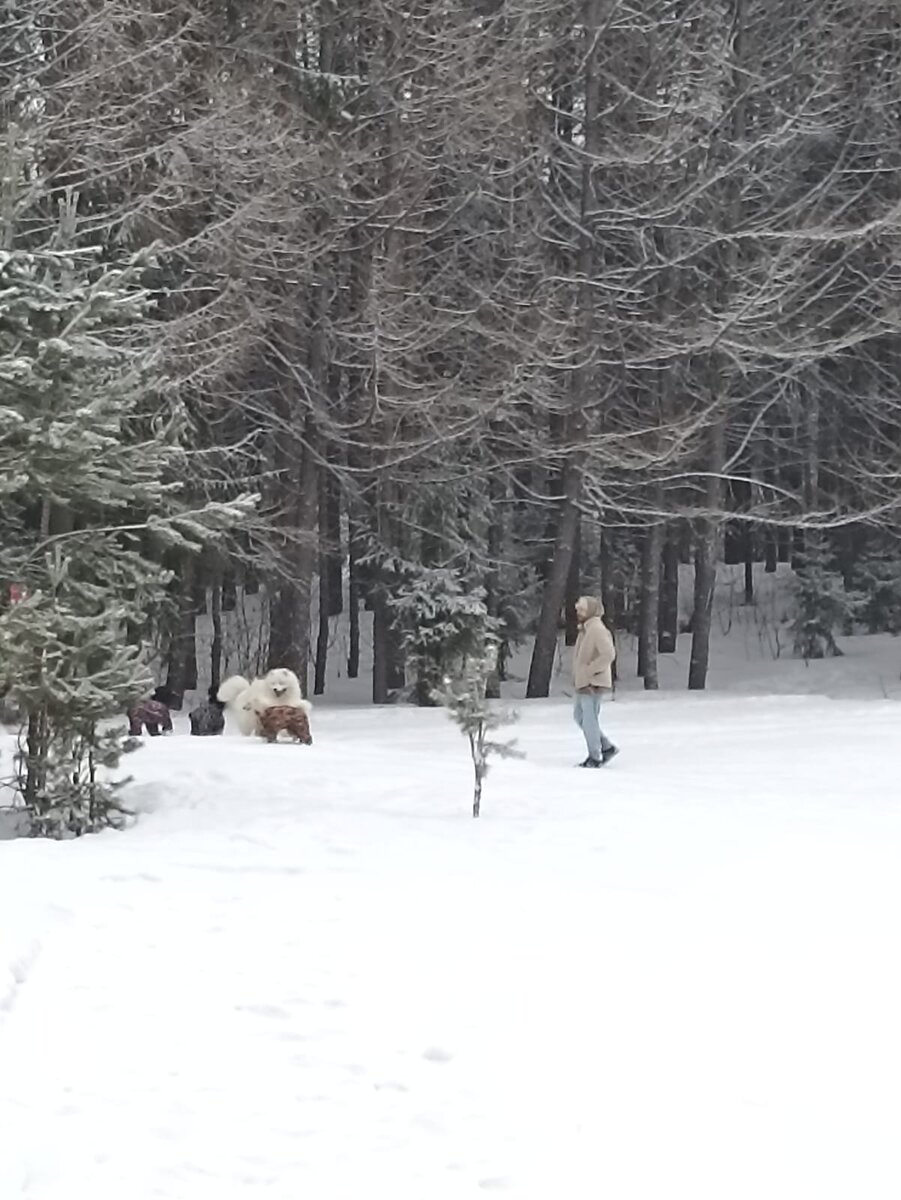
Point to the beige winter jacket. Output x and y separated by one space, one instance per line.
594 651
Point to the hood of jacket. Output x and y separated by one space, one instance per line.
593 606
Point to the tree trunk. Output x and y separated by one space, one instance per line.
582 382
387 668
289 613
478 768
321 639
650 604
771 553
37 745
729 217
668 617
545 649
573 588
608 590
329 603
216 643
492 587
181 666
705 584
330 546
353 603
323 634
285 640
705 560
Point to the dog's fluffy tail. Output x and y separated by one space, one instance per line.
232 688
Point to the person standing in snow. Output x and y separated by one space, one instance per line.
593 657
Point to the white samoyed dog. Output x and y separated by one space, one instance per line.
245 700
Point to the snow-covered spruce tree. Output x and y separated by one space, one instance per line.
443 623
465 698
91 459
820 607
877 584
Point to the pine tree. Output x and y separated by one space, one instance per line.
91 464
443 624
821 606
465 698
877 583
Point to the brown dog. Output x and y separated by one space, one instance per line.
152 715
285 718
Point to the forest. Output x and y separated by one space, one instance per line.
434 315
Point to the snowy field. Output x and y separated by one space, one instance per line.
308 972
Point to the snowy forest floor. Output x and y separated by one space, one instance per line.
309 972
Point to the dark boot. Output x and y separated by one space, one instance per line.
608 753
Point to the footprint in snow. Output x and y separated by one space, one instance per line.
436 1055
263 1010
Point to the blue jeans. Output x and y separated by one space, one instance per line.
587 713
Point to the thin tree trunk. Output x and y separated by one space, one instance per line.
771 553
608 590
749 536
479 772
388 673
331 544
322 639
216 644
353 603
381 651
705 562
650 605
608 584
492 595
545 649
37 743
323 634
573 588
668 618
327 557
749 579
38 732
705 584
181 667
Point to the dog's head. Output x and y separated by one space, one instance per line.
281 681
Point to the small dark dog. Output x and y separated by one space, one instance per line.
152 715
207 719
288 719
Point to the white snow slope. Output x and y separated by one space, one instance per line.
309 972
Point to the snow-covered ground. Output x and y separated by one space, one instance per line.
309 972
